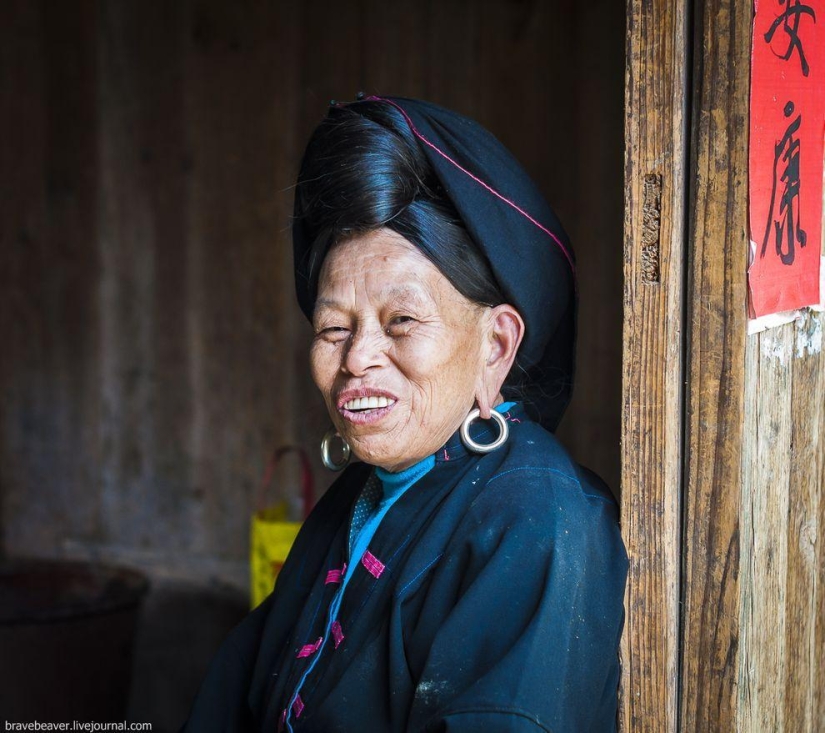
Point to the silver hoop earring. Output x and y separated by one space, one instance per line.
326 455
471 445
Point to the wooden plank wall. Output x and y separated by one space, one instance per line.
656 107
152 350
782 605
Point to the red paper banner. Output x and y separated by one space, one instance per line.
787 124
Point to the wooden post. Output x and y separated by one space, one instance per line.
656 108
715 331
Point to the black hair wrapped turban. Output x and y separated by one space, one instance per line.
514 226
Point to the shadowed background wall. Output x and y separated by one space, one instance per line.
152 350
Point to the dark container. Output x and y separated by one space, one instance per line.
66 637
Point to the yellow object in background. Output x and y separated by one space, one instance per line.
270 539
271 535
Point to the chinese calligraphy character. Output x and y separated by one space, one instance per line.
789 20
786 227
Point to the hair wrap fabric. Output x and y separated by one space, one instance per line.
512 224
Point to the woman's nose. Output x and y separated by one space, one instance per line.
364 351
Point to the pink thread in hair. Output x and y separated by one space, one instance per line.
511 419
337 634
373 565
281 721
298 706
477 179
307 650
446 455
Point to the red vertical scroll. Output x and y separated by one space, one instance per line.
787 124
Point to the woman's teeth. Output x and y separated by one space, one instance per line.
368 403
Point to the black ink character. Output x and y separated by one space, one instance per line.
786 227
789 20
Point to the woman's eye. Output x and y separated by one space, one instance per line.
399 323
333 333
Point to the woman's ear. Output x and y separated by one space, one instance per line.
504 330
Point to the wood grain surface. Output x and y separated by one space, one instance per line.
783 576
716 380
655 188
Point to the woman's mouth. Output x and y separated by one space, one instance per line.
365 409
359 404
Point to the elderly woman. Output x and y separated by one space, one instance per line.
465 574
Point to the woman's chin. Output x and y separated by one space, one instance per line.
374 455
378 453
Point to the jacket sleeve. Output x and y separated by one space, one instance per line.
523 616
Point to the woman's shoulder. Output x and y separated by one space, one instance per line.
537 469
532 506
536 496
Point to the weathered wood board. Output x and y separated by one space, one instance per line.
656 104
716 383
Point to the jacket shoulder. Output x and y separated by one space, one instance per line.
537 475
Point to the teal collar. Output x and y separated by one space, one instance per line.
398 483
395 484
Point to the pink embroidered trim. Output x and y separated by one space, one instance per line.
476 179
298 706
307 650
335 576
337 634
373 565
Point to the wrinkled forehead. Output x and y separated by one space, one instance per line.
409 294
383 269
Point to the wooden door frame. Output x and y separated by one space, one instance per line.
685 259
656 109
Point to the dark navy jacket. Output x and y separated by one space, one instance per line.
490 599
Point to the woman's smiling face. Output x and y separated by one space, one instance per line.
398 351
